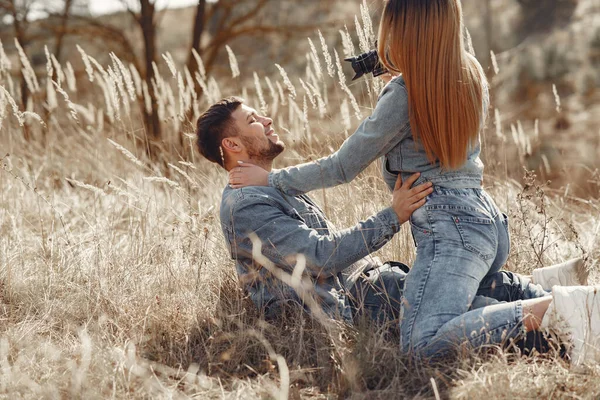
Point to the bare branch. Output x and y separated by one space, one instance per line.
130 10
90 27
250 14
227 36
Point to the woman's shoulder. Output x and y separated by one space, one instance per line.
396 86
394 91
399 80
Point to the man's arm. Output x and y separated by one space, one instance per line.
284 237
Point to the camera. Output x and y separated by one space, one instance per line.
366 63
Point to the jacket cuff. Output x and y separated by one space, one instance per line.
277 181
274 179
391 223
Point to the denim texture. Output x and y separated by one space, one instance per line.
291 225
506 286
461 238
378 292
386 134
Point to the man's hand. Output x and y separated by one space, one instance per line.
246 174
406 200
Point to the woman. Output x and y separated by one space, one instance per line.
428 121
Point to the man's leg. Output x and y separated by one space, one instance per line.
378 293
510 286
569 273
506 286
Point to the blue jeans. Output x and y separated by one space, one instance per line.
462 238
506 286
379 293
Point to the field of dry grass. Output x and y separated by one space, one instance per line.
115 281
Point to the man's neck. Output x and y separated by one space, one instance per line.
266 165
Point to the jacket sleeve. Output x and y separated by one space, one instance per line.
375 137
283 237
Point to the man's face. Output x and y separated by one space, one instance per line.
256 134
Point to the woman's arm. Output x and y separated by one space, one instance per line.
375 137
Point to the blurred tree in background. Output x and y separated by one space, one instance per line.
39 23
253 24
543 16
217 24
17 13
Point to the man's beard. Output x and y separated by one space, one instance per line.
262 154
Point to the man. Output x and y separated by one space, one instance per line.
273 236
293 228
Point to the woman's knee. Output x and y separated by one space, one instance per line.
417 335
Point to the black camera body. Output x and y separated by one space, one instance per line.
366 63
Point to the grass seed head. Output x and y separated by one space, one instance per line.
233 64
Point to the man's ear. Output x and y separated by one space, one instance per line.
232 145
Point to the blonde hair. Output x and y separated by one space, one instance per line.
423 40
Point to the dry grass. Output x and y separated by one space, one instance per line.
115 280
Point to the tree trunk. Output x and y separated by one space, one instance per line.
192 64
20 36
147 24
199 25
60 34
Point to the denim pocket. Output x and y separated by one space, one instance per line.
420 226
478 235
312 219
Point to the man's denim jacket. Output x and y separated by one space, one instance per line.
386 134
288 226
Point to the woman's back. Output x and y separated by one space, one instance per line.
409 156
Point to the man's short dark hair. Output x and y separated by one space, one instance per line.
214 125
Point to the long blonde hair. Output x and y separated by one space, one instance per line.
423 40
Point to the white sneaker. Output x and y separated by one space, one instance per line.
569 273
574 315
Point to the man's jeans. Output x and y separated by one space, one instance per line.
462 239
378 293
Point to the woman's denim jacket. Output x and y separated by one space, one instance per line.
386 134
